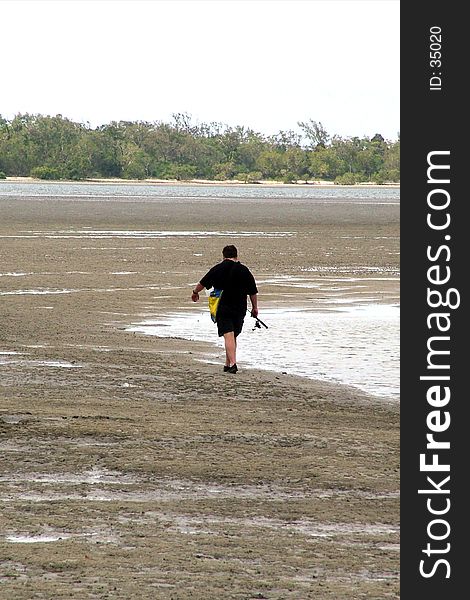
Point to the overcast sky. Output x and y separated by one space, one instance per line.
266 64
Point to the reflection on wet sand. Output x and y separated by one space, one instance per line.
355 345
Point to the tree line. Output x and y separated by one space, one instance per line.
54 147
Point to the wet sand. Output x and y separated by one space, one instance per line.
131 469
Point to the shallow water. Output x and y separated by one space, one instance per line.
356 345
106 485
62 364
153 192
36 539
86 233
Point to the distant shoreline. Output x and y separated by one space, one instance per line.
197 182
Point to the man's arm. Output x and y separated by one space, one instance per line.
207 279
197 288
254 305
252 292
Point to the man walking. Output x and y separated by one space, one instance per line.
237 283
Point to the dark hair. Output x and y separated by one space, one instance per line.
229 252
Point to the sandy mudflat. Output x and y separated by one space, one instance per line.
131 470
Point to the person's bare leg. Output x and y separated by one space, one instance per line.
230 349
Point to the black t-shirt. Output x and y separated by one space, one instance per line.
235 280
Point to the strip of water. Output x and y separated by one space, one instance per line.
355 345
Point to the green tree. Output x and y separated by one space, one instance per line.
46 172
271 162
347 179
136 163
296 162
183 149
224 171
181 172
318 164
106 149
315 133
391 165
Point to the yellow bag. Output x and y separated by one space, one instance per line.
214 299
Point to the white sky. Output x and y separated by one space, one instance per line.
261 63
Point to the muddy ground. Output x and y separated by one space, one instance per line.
130 469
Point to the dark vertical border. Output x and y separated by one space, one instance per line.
433 120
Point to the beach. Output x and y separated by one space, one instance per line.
132 466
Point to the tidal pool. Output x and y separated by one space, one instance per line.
355 345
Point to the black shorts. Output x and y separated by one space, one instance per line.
228 321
